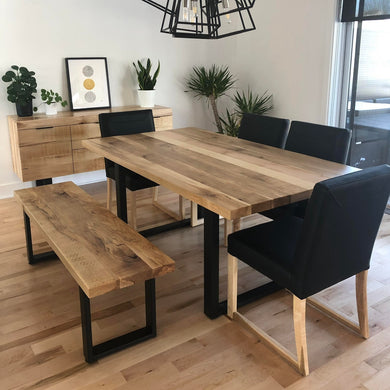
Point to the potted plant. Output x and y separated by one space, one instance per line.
20 91
245 103
146 83
50 99
211 83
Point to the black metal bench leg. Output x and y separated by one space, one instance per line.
85 309
33 259
27 232
93 353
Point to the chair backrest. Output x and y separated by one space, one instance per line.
263 129
339 230
126 122
326 142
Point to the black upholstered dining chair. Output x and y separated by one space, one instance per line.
321 141
326 142
263 129
125 123
332 243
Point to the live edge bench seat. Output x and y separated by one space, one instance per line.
101 252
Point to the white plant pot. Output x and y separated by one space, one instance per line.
51 109
146 98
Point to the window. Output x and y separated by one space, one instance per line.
367 76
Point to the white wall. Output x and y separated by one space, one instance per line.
289 54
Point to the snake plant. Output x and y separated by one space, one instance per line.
146 81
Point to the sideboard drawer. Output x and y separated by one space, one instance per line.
163 123
46 160
44 135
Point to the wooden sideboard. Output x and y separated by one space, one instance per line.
49 146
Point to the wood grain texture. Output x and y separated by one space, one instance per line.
48 146
100 251
230 176
68 118
40 329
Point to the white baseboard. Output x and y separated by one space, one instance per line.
7 190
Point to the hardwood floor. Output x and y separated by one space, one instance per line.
40 334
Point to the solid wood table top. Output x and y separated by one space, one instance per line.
229 176
101 252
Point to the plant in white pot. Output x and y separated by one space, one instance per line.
146 83
51 99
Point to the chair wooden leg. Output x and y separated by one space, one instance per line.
182 211
361 301
179 216
133 210
232 285
110 190
195 221
231 226
299 309
155 194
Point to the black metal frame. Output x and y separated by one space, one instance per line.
43 182
38 258
69 82
91 352
209 20
95 352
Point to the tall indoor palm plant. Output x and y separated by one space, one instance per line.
211 83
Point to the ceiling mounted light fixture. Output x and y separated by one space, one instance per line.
206 19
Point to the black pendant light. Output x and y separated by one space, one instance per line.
206 19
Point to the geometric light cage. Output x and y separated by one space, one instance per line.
205 19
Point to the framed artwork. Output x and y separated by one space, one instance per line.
88 83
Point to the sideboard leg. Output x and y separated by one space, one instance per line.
43 182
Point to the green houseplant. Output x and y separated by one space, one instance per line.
211 83
248 102
50 99
21 88
146 82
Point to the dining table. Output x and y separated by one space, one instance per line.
227 176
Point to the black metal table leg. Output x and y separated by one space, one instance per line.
93 353
212 308
33 259
121 201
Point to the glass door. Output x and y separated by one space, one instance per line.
368 110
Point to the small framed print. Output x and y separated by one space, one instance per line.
88 83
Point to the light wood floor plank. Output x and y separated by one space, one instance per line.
40 334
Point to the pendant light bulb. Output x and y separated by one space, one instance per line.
185 10
225 5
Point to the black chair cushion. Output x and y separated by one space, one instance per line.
133 181
269 248
264 129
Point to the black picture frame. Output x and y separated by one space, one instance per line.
88 83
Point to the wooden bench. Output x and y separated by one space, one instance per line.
100 251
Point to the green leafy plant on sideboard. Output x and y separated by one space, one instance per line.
21 88
50 99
